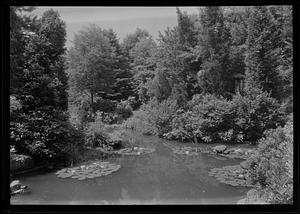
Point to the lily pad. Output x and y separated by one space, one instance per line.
231 175
91 171
186 151
135 151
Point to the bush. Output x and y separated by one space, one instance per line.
160 114
124 109
107 117
140 123
272 166
208 118
153 118
97 135
255 112
46 135
14 104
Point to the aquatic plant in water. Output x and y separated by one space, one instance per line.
94 170
186 150
235 153
135 151
129 151
231 175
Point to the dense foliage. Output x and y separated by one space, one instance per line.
45 135
272 166
201 65
209 118
222 75
38 125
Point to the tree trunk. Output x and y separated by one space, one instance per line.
92 102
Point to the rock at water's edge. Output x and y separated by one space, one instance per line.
219 149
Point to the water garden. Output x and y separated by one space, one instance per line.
153 172
201 115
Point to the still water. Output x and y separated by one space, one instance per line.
161 177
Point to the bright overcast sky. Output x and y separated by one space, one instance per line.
123 20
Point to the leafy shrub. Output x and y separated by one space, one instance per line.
153 118
107 117
97 135
121 111
181 127
124 109
46 135
80 113
272 166
140 123
208 118
14 104
211 118
160 114
254 113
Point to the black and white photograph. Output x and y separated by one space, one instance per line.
151 105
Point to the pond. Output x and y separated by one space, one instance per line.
161 177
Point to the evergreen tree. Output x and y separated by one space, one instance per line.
186 29
260 62
131 39
143 66
187 33
169 60
122 87
282 50
19 25
236 19
54 29
214 43
44 80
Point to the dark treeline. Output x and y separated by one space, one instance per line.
223 75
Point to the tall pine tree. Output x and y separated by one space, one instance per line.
260 62
214 43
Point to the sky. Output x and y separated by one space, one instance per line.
123 20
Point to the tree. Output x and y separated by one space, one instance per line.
123 87
186 29
236 19
19 24
91 61
214 43
54 29
260 62
43 79
281 17
131 39
143 66
188 39
169 60
38 124
159 87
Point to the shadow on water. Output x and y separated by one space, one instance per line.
161 177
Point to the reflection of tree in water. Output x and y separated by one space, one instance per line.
198 169
164 175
